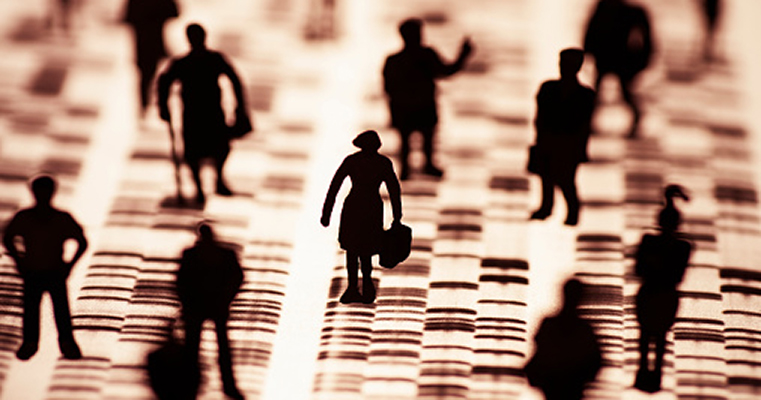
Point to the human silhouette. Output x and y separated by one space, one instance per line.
205 133
409 81
567 353
35 239
361 229
660 262
59 10
618 36
563 118
207 281
147 19
711 13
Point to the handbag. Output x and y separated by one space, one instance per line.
241 127
170 374
396 245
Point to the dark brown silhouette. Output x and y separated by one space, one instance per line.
563 118
34 239
618 36
711 12
409 81
205 133
147 19
567 354
207 281
661 261
361 229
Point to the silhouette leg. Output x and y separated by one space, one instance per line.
626 93
368 288
643 380
219 164
193 326
31 319
351 295
428 149
548 198
225 359
660 352
568 187
195 169
147 71
66 342
404 153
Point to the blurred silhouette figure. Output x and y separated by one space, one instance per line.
59 10
409 81
207 281
35 239
361 229
711 11
618 36
660 262
205 133
567 353
563 118
147 19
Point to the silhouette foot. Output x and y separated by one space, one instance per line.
351 296
233 393
647 381
368 292
223 190
572 220
70 350
433 171
540 215
26 351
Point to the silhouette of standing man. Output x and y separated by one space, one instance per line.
207 281
618 36
409 81
361 229
563 123
660 261
567 354
205 133
147 18
34 239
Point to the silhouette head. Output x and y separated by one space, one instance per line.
205 233
573 292
570 62
196 36
367 141
411 31
43 188
669 218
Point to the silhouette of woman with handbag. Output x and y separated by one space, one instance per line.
361 229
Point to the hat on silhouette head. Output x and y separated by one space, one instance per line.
196 35
43 187
571 60
410 30
367 140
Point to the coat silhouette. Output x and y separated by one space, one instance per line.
147 19
563 118
409 81
361 229
34 239
205 133
661 261
618 36
207 281
567 354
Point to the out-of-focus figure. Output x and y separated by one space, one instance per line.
409 81
660 262
207 282
361 229
205 133
147 19
711 11
564 110
567 353
60 11
618 36
35 239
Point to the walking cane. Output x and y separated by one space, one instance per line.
176 161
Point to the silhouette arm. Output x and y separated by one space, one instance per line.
330 198
164 84
228 70
394 192
443 70
79 236
10 233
